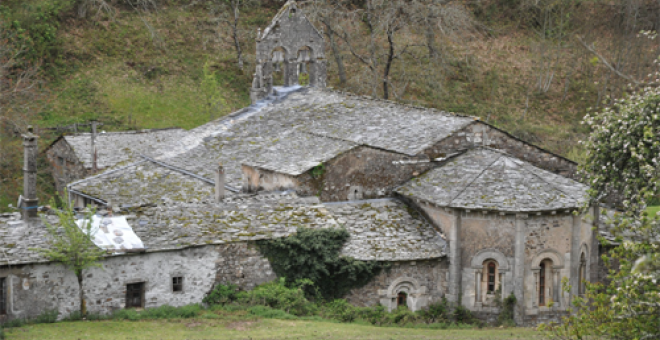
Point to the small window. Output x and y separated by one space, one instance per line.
402 299
177 284
542 285
491 277
3 297
60 161
135 295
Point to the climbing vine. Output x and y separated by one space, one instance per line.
315 255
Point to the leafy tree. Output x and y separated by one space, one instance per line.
72 245
624 157
315 255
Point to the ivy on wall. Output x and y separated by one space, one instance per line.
315 255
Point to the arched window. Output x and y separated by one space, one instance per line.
490 287
582 275
545 281
402 299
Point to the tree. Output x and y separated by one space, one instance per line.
209 86
227 13
72 245
624 158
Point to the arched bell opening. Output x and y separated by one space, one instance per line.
280 67
305 67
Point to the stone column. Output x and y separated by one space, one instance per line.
291 75
220 183
93 150
477 288
575 256
30 200
535 291
519 269
455 257
556 287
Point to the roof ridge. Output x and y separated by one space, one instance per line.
543 180
83 134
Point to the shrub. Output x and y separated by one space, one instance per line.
162 312
435 312
401 316
221 294
341 310
278 295
463 315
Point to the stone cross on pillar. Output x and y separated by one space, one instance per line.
220 183
30 200
94 168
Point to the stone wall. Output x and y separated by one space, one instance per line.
65 165
34 289
362 173
424 282
482 134
243 265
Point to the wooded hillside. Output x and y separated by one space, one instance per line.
531 67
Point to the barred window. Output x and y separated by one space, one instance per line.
135 295
177 284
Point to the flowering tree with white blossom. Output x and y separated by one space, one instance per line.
623 158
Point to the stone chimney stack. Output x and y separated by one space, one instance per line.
220 183
30 201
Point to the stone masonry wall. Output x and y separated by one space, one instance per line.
481 134
431 274
243 265
65 165
362 173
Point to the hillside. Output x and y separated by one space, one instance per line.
518 64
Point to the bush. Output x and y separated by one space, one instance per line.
221 294
435 312
463 315
341 310
506 313
401 316
278 295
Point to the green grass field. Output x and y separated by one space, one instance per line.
220 329
652 210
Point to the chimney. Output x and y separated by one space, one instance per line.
220 183
93 123
30 201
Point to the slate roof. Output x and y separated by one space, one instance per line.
293 133
120 147
490 179
380 229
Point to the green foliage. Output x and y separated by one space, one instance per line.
341 310
162 312
278 295
270 313
221 294
48 316
314 255
318 170
463 315
210 89
69 244
436 312
507 311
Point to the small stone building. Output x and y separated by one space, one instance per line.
459 208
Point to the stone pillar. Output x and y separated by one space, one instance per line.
477 288
219 183
536 292
291 75
519 269
30 200
575 256
556 287
455 258
321 73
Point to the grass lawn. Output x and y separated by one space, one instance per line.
652 210
248 329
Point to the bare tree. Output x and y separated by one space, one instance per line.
226 13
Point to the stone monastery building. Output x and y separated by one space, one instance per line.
458 207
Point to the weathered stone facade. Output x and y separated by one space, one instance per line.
482 134
423 282
64 164
243 265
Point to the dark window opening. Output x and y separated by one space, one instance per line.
491 277
402 299
3 297
583 275
135 295
60 161
177 284
542 285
